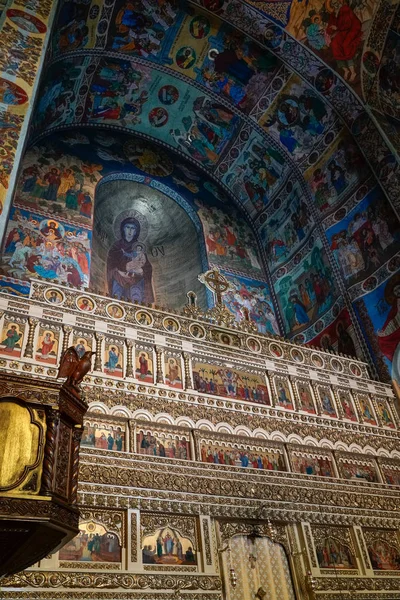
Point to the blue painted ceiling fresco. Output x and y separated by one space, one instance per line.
174 92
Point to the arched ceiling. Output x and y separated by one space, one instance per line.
188 80
252 117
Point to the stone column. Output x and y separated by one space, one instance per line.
28 352
129 359
21 60
159 356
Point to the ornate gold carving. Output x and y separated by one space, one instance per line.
207 541
28 352
159 367
98 362
364 552
129 358
49 456
134 537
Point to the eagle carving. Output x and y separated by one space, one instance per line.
74 367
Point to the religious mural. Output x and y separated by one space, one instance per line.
255 296
241 455
144 365
283 392
365 237
12 337
230 383
93 544
335 551
164 443
391 474
358 470
47 346
167 546
338 336
113 358
346 402
305 397
384 556
307 291
312 463
173 372
367 412
104 436
287 225
384 413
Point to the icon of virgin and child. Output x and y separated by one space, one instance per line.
129 271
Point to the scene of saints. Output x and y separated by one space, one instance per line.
298 118
173 372
333 554
335 31
254 296
348 409
113 359
12 337
367 412
46 247
384 414
93 544
47 346
307 292
238 455
305 398
327 402
384 556
286 228
365 239
230 383
164 444
129 271
256 173
58 184
335 173
103 437
312 464
283 393
167 546
144 366
391 475
357 471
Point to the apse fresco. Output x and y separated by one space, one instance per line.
307 291
298 118
366 237
336 173
287 226
255 296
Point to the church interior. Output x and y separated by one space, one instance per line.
200 299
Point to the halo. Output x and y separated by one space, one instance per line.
328 6
144 225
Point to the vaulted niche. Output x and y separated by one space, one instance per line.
146 247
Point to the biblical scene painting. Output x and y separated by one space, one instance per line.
365 238
167 546
391 474
164 443
173 372
82 344
229 240
283 392
288 224
144 365
384 551
310 463
336 173
138 244
298 118
326 401
254 297
113 359
47 346
35 245
104 436
230 383
241 455
12 337
307 292
334 551
358 470
93 544
367 412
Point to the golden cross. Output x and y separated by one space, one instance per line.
215 282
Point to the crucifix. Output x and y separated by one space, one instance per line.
215 282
